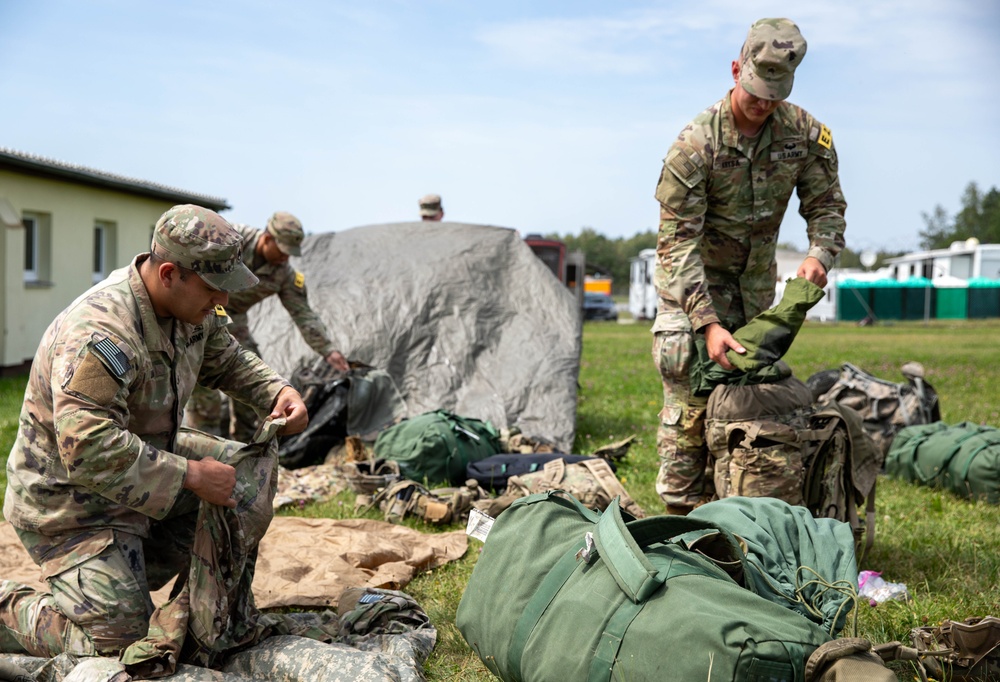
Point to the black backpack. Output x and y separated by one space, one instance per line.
492 473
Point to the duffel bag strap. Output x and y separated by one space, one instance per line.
620 545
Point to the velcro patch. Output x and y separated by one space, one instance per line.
116 360
92 379
370 598
300 280
825 138
685 168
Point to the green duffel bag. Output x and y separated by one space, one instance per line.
964 458
437 446
561 592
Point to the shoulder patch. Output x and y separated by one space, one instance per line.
825 138
220 311
687 169
300 279
113 356
92 378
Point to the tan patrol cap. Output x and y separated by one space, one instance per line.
430 205
287 232
772 51
201 240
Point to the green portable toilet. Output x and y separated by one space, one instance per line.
916 300
887 299
984 298
853 300
952 299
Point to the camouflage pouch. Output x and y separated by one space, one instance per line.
443 505
960 651
368 476
591 481
372 611
766 459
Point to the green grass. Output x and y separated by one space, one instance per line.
945 549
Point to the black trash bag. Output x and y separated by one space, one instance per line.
324 392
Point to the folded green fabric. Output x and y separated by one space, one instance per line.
766 338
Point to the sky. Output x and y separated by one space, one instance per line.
540 116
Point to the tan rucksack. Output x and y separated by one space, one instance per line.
768 440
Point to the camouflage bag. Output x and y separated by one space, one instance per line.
770 442
773 413
885 407
439 506
591 481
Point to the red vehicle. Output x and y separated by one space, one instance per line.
551 252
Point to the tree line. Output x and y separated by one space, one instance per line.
978 217
608 257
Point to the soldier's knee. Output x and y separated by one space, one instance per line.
112 643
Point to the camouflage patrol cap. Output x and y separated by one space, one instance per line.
201 240
773 48
287 232
430 205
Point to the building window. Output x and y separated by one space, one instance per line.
37 240
104 250
31 243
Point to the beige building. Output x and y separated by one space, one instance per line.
64 227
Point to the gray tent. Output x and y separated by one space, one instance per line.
463 317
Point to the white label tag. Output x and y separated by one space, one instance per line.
479 524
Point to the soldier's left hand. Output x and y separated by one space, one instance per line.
337 360
290 406
813 271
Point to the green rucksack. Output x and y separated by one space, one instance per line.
964 458
562 592
437 446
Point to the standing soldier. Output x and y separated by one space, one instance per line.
723 192
103 486
266 253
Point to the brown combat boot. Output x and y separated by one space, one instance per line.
677 510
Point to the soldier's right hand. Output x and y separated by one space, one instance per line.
719 341
212 481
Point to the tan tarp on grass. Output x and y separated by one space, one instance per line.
306 562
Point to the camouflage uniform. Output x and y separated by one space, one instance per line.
96 474
204 410
722 198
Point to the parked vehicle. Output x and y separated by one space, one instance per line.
599 307
642 296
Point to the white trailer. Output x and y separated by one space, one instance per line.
641 291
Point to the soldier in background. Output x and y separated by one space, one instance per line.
266 253
103 485
431 208
723 191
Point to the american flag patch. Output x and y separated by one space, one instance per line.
113 356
